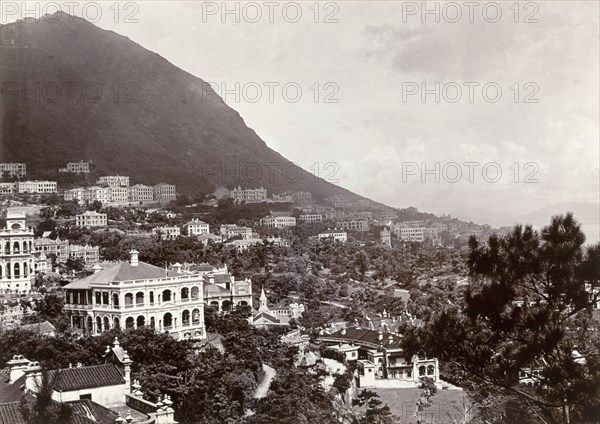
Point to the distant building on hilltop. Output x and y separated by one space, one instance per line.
36 186
14 169
17 255
80 167
114 180
335 234
195 227
164 192
386 237
91 219
278 221
359 224
249 195
266 317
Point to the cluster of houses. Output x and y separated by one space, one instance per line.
22 255
95 394
115 190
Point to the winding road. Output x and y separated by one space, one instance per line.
263 387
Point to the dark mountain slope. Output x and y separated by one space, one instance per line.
72 91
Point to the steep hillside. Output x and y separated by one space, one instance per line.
72 91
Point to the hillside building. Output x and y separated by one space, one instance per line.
114 181
17 254
80 167
310 218
36 187
278 221
167 232
266 317
385 236
248 195
91 219
164 192
335 234
14 169
381 361
359 224
196 227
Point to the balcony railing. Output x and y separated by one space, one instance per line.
186 323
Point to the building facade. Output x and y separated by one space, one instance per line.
97 194
249 195
282 198
114 180
359 224
302 197
91 219
196 227
62 250
335 234
8 188
278 221
136 294
232 230
36 186
311 217
381 361
75 195
80 167
141 193
17 254
167 232
386 237
164 192
14 169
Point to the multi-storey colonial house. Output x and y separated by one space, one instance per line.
17 254
134 294
381 361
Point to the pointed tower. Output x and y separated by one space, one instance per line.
264 307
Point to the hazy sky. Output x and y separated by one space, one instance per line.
375 58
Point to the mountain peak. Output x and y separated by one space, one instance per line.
78 92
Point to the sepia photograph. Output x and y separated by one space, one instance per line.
300 212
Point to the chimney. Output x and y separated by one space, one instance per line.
177 268
127 362
33 377
17 365
134 257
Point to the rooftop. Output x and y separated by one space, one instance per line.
69 379
122 271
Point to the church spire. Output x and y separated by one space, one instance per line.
264 307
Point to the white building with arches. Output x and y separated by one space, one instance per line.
135 294
17 254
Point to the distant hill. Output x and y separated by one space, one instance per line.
128 110
586 213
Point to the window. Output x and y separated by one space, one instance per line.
85 396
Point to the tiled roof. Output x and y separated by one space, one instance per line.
40 327
11 392
10 413
69 379
214 289
122 271
84 412
388 341
266 317
222 278
93 411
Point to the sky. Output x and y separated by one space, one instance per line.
442 106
